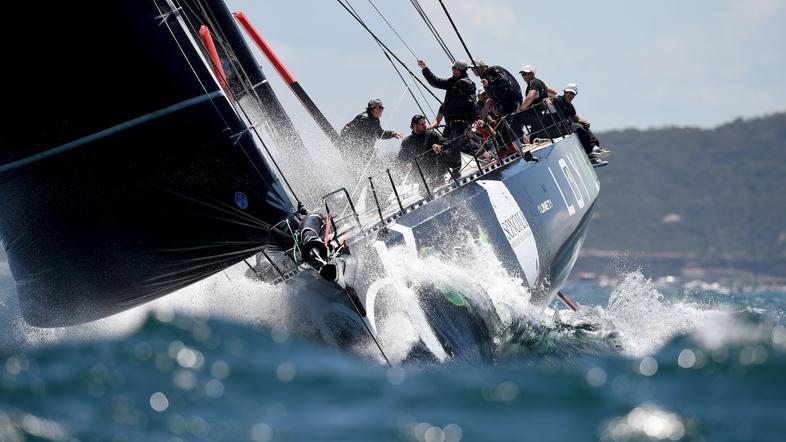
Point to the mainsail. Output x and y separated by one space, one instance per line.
126 171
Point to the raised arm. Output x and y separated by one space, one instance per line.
437 120
433 80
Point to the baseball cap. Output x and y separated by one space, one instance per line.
527 69
572 87
374 102
460 65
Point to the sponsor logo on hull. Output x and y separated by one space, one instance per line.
515 226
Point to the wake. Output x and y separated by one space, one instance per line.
636 321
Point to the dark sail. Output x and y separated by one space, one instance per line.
125 171
246 77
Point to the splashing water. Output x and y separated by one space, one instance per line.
637 320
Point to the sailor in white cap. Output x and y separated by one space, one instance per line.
531 108
564 106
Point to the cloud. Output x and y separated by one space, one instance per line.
754 12
492 18
671 56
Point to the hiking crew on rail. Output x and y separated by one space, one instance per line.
470 123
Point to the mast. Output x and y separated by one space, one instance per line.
280 125
294 85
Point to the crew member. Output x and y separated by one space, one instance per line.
459 109
357 138
504 91
531 108
564 103
427 146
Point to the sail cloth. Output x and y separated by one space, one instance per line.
125 172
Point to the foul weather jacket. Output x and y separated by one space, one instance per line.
360 134
503 89
460 99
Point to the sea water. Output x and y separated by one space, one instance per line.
225 361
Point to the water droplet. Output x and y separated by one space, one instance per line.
687 358
159 401
197 426
420 430
434 434
13 365
143 351
214 388
285 372
219 370
184 379
261 432
596 377
280 335
648 366
453 433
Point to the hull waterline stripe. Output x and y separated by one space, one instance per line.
110 131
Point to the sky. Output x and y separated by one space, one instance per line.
638 64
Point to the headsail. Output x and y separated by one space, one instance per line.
125 171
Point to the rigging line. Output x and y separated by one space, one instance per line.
360 21
369 159
250 91
420 91
461 39
368 329
193 70
219 206
427 22
433 29
406 83
393 29
385 52
191 66
231 258
374 151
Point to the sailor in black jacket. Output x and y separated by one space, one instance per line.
459 109
505 93
357 138
501 86
423 144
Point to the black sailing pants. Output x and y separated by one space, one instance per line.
459 140
587 138
533 118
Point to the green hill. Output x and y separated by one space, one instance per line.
718 195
